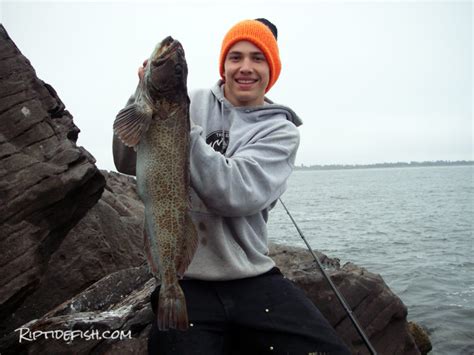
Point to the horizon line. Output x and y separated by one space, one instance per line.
404 163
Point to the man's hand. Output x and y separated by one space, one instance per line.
141 70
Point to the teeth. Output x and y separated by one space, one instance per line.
246 81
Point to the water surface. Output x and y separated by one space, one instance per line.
414 226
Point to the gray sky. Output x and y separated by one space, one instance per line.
373 81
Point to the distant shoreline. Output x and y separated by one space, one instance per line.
412 164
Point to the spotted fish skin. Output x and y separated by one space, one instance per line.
157 125
162 186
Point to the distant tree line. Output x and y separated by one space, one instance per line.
411 164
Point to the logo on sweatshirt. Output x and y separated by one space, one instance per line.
219 140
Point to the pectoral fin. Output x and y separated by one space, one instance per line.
132 122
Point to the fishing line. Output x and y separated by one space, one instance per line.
336 291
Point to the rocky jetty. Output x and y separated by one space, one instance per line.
71 241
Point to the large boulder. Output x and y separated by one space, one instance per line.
47 183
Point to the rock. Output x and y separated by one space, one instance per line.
421 337
380 313
47 183
126 308
117 302
108 238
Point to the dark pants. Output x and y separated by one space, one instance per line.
266 314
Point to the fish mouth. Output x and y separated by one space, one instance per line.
168 47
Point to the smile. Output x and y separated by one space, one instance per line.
246 81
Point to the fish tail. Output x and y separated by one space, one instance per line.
172 312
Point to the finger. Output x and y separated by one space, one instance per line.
141 72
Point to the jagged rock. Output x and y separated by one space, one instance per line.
120 302
380 313
47 183
117 302
108 238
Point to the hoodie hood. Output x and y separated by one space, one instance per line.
269 107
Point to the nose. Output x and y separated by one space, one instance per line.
246 66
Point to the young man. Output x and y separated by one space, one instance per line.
242 151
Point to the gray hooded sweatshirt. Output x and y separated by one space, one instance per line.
240 160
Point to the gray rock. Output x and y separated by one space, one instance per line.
108 238
380 313
117 302
47 183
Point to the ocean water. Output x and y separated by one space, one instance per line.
413 226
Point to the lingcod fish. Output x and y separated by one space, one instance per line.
157 125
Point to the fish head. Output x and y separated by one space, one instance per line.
166 72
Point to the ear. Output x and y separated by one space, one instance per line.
224 76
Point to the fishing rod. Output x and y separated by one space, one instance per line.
336 291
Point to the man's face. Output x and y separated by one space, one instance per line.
246 74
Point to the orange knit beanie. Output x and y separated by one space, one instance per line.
261 36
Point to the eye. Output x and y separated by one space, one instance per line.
234 57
